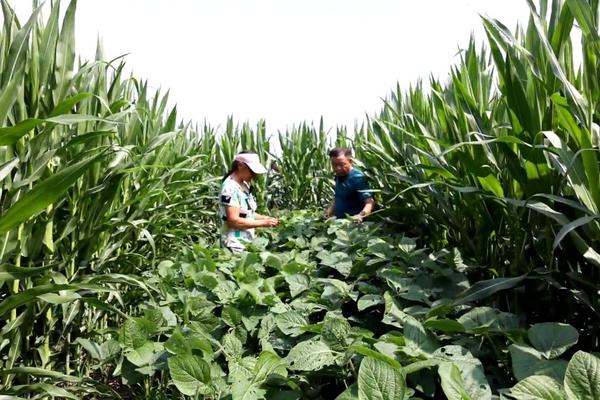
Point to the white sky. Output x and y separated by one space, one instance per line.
283 60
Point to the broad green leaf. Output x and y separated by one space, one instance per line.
339 261
91 347
190 374
246 390
379 381
582 379
272 260
538 387
380 248
142 355
405 287
452 382
418 341
136 332
268 363
349 394
297 283
393 315
232 346
369 300
168 316
552 338
109 349
177 343
527 361
231 316
419 365
473 379
335 332
241 369
484 319
290 323
310 355
166 269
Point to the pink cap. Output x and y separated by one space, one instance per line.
252 161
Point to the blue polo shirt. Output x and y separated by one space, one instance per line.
351 192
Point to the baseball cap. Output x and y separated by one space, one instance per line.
252 161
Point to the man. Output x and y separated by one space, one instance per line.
352 194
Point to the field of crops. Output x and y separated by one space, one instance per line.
477 278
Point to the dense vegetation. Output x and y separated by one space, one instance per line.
477 278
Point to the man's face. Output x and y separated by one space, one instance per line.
341 165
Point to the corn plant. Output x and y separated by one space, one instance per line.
97 181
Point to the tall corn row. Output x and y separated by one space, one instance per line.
501 159
97 181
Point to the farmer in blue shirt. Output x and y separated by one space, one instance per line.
352 194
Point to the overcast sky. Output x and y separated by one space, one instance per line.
283 60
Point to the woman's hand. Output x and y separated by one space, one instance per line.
270 222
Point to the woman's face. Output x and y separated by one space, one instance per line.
245 173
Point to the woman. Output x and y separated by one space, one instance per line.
237 206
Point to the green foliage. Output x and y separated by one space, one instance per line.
379 381
582 380
271 337
487 187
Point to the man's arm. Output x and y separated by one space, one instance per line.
367 209
362 186
329 210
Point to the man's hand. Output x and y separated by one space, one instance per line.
360 217
328 213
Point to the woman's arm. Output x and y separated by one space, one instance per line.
271 221
236 222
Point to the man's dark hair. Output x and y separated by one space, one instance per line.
338 151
